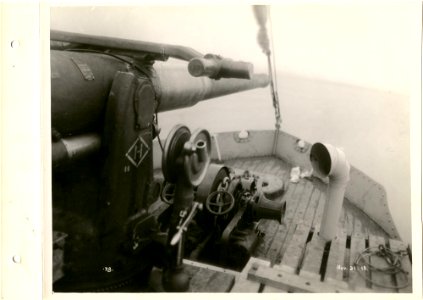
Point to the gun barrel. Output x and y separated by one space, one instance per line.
81 82
178 89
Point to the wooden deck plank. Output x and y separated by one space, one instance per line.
219 282
358 230
293 201
264 164
336 260
319 212
258 163
312 206
274 166
279 244
404 280
289 187
284 169
349 222
247 164
206 278
271 166
253 164
278 278
274 230
271 289
280 168
380 281
295 249
291 197
237 163
270 229
355 280
202 280
242 284
287 196
313 257
298 200
199 279
304 202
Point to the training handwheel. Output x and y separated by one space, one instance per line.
173 148
220 202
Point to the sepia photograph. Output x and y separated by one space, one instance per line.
236 148
230 149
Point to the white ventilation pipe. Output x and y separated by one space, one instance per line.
328 160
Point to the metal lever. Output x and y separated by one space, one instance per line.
183 227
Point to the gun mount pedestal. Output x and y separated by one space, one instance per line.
233 205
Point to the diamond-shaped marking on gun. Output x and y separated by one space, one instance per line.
137 152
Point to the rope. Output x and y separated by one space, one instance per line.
393 259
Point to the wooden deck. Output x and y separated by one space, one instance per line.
293 250
259 276
291 257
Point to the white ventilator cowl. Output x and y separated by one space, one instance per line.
329 161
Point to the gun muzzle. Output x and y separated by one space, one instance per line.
268 209
216 67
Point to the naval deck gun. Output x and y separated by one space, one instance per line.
105 96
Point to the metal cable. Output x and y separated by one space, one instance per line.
274 75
